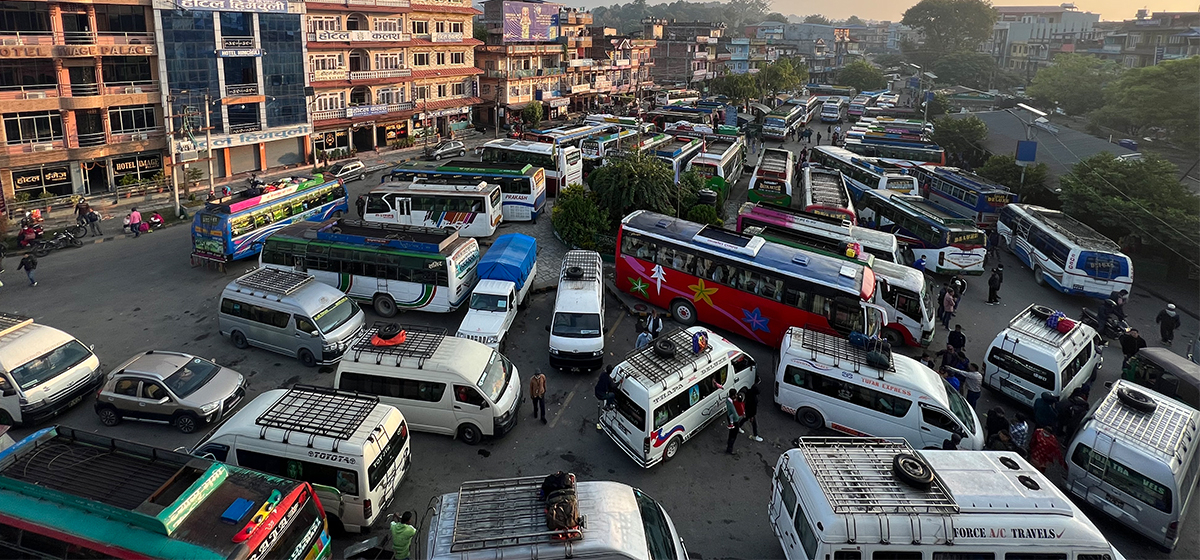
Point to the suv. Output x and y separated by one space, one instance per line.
449 148
171 387
353 170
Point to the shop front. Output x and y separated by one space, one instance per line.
42 181
557 108
390 133
327 143
127 170
447 123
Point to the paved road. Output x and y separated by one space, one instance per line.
138 294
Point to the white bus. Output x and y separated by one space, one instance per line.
1064 252
906 297
863 173
393 268
473 209
596 148
834 110
780 122
523 185
950 245
723 157
774 177
876 499
813 229
678 153
563 165
672 96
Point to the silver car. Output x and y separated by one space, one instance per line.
352 170
169 387
449 148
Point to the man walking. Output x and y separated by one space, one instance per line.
135 222
1131 342
537 393
994 282
402 535
93 221
973 381
1168 321
29 264
606 393
818 138
732 415
949 305
654 324
751 406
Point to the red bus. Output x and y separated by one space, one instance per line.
823 192
739 283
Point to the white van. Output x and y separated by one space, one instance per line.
860 499
352 448
442 384
671 389
1029 358
493 519
1134 458
43 371
824 381
290 313
577 330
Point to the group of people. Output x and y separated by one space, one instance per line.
956 368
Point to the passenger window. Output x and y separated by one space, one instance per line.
896 555
468 395
963 556
217 451
847 555
347 482
742 363
152 391
304 325
938 419
1036 556
127 387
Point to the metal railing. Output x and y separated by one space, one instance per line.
328 114
36 91
83 90
378 74
38 38
388 3
90 139
132 87
40 145
531 73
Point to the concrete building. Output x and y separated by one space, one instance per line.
581 70
741 55
684 52
80 91
1025 38
522 60
624 63
1151 38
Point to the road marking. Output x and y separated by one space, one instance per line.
566 402
613 329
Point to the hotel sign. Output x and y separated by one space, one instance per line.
361 35
256 6
66 51
255 137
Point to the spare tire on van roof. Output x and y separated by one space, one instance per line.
1136 400
912 470
1041 311
664 348
574 272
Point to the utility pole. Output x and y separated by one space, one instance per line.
171 146
208 139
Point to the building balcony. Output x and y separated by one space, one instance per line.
381 3
359 75
359 36
517 74
75 44
356 111
78 96
580 62
556 48
241 90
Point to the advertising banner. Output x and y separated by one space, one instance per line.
526 21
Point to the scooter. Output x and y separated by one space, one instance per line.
1113 327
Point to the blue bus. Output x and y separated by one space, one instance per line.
233 227
964 194
523 185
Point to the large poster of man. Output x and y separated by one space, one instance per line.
530 22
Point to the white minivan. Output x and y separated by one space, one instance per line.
43 371
353 449
443 384
670 390
1029 358
577 328
824 381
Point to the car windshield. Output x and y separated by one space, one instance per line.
659 541
576 325
337 168
960 408
489 302
49 365
335 315
495 377
191 376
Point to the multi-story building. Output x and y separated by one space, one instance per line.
578 83
1150 39
684 52
624 63
522 60
385 70
80 97
871 38
1025 38
743 55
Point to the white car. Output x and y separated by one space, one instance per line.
352 170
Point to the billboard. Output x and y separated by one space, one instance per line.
529 21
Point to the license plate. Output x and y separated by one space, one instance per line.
74 401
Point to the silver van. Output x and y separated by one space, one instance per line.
43 371
290 313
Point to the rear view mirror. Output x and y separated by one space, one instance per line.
483 406
7 392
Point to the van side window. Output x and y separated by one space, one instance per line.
1119 476
685 400
152 391
127 387
743 362
469 395
1077 363
1022 368
963 556
1036 556
394 387
878 401
896 555
936 418
218 451
346 481
304 325
847 555
278 319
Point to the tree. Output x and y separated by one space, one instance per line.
889 60
951 25
862 76
578 218
778 76
959 136
817 18
939 107
480 32
1032 189
635 181
1074 82
776 16
532 114
966 68
853 20
1166 96
704 214
740 88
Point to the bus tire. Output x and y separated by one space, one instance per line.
683 312
384 305
306 358
810 418
338 214
893 337
672 448
1038 276
469 434
239 340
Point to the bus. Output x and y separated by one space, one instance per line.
950 245
964 194
863 173
905 295
233 227
471 208
834 110
522 185
672 96
742 284
823 192
662 117
896 123
571 135
723 157
922 153
1063 252
774 177
630 123
859 104
650 143
786 225
826 89
66 493
596 148
678 153
780 123
392 268
563 165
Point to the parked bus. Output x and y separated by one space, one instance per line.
964 194
780 123
596 148
522 185
662 117
859 104
826 89
834 110
896 123
723 157
563 165
950 245
678 153
740 283
922 153
1067 254
863 173
66 493
789 226
774 177
649 143
471 208
571 135
823 192
672 96
233 227
881 110
623 123
391 267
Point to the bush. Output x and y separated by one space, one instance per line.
21 197
704 214
45 194
578 217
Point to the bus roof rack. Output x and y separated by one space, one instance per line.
857 477
274 281
10 322
1076 231
652 365
420 342
502 513
422 239
1160 431
838 348
1031 322
318 411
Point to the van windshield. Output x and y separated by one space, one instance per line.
495 377
576 325
960 408
49 365
659 541
335 315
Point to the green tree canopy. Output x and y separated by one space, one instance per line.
738 87
817 18
578 217
779 76
939 107
635 181
862 76
951 25
853 20
966 68
1075 82
889 60
1003 169
532 114
959 135
776 16
1166 96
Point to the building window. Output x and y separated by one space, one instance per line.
514 91
441 58
460 88
325 61
24 17
420 27
132 119
489 65
390 95
120 19
329 101
36 126
456 27
420 92
420 59
237 24
441 90
388 61
458 58
487 90
526 90
439 26
387 25
33 72
324 23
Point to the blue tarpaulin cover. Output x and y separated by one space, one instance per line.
510 258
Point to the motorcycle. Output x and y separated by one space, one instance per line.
31 230
1113 326
959 284
61 240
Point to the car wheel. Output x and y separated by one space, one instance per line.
672 448
810 418
462 153
109 416
384 305
306 358
683 312
470 434
187 422
239 340
6 419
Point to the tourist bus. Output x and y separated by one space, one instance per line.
723 157
662 117
834 110
233 227
878 132
826 89
678 153
921 153
672 96
964 194
596 148
393 268
649 143
823 192
863 173
859 104
774 177
742 284
67 493
522 185
780 123
1063 252
572 135
623 123
950 245
563 165
895 123
810 229
471 208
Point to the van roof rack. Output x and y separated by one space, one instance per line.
588 263
420 342
857 477
839 348
1160 431
502 513
317 411
10 322
274 281
1032 323
649 366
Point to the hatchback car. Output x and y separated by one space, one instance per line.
169 387
347 171
449 148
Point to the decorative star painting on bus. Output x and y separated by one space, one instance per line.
701 293
756 320
638 285
658 274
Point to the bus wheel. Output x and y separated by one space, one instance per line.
384 305
894 338
683 312
672 449
338 214
1038 276
810 418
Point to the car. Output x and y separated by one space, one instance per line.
352 170
170 387
448 148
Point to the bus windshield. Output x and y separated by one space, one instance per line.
966 239
659 541
307 525
50 365
335 315
495 377
576 325
706 170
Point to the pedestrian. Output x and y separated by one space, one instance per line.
1168 321
949 306
949 356
1131 342
1045 450
605 393
402 535
993 243
1019 430
973 382
837 129
733 418
82 209
537 393
1044 415
654 324
93 221
952 443
803 154
829 129
957 338
360 204
818 138
135 222
919 264
927 360
1071 413
994 282
751 404
29 264
954 380
995 421
643 338
1000 441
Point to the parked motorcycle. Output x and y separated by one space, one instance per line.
1113 327
31 230
61 240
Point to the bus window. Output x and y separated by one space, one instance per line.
376 204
